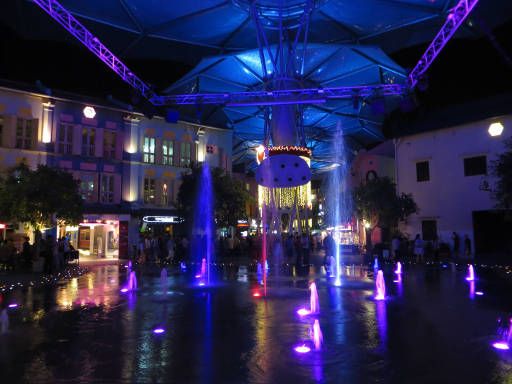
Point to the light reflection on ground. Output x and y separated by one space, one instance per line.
87 330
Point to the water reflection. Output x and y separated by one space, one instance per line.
86 331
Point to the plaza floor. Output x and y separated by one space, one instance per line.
432 328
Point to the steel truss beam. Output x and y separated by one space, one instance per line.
454 20
287 96
290 96
73 26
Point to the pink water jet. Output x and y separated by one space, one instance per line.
203 267
316 335
313 301
471 273
398 270
132 283
380 286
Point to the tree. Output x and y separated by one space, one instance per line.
39 196
501 168
229 194
377 203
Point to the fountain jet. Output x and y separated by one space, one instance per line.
471 273
313 301
316 335
380 286
203 231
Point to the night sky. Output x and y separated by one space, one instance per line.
466 70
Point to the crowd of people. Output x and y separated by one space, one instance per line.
419 249
54 255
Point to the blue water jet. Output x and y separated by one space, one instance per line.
338 197
203 229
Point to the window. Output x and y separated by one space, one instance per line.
429 230
87 182
167 152
149 190
165 194
1 129
422 171
25 130
107 189
65 139
88 137
109 144
185 155
149 150
475 166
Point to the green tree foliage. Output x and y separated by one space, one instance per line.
229 194
35 196
377 203
501 168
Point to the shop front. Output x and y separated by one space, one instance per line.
100 237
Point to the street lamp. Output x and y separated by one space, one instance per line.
495 129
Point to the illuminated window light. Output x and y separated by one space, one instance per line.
89 112
495 129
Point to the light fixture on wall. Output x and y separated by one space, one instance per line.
495 129
89 112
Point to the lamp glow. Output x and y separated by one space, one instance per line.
501 345
303 312
158 331
89 112
495 129
13 305
302 349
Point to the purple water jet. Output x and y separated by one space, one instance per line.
313 300
471 273
316 335
164 280
380 286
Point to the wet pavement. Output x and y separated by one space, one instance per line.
432 328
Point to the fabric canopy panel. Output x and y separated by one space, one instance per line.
324 66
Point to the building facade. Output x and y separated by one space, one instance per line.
447 173
129 167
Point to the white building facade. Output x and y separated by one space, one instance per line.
447 173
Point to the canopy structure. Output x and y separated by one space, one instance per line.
333 41
325 65
190 30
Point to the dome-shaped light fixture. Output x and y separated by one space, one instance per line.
495 129
89 112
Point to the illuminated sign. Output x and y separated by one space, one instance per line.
161 219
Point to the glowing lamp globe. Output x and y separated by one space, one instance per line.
495 129
89 112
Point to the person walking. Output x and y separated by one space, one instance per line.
418 248
395 247
456 244
467 246
26 254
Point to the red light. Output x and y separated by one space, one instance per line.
256 294
2 226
